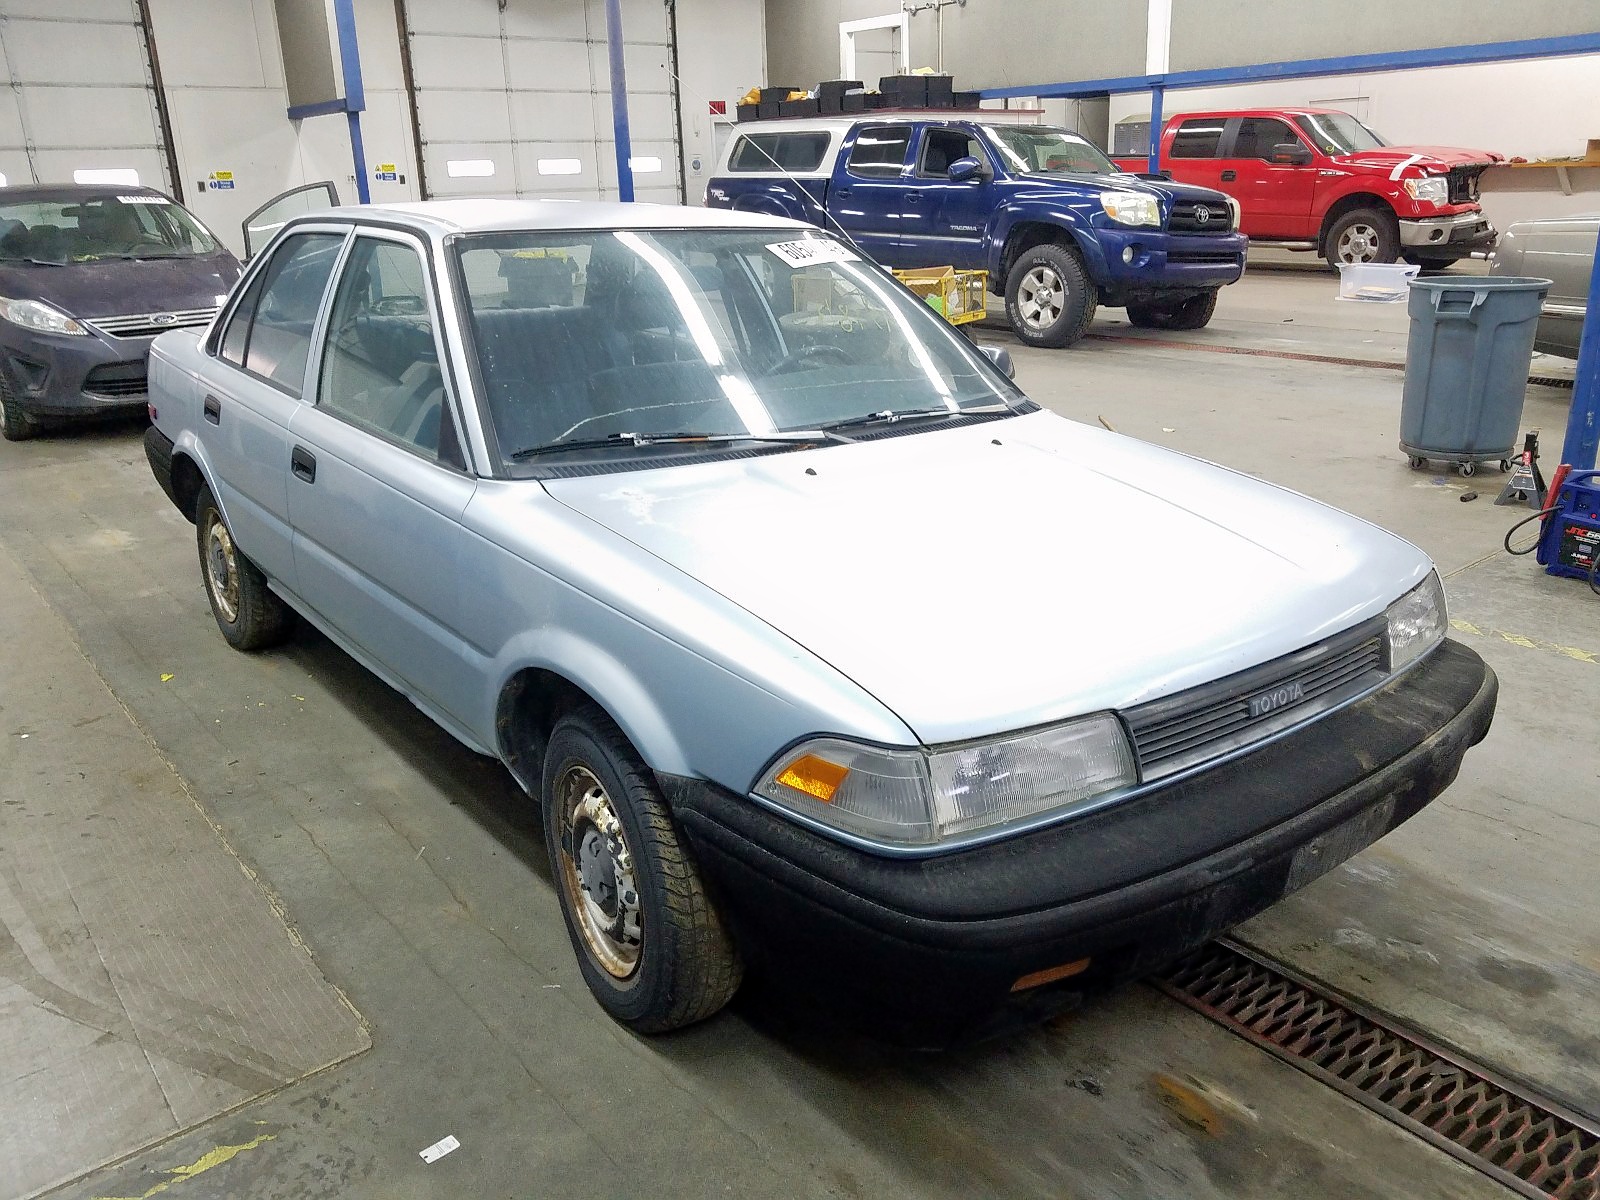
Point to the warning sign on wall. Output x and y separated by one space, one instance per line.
219 181
386 173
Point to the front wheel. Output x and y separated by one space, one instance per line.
651 945
1363 235
16 424
248 614
1193 313
1050 299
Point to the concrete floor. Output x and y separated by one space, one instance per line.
415 873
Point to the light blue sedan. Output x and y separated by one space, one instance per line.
827 653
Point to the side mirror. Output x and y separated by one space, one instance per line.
1000 357
964 169
1290 153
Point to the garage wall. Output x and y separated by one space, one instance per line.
75 92
722 53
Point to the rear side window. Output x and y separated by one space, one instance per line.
1258 135
1198 138
269 333
768 152
880 150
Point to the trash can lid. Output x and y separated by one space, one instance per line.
1483 284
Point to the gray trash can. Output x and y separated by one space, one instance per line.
1467 368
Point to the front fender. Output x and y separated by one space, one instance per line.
1069 218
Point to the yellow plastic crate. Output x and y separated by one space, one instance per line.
957 296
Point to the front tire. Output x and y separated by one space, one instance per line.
249 615
1363 235
1193 313
650 943
1050 299
16 424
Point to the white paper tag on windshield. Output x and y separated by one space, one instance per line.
807 251
142 200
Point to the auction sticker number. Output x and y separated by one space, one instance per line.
809 251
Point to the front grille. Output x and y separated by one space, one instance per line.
1186 216
142 325
117 380
1177 732
1463 185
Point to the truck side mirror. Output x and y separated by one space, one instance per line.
964 169
1290 153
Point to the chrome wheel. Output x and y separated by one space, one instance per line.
222 568
1041 297
1359 244
596 868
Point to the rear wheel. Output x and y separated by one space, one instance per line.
1363 235
16 425
249 615
1193 313
1050 299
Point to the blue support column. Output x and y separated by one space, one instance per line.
355 96
619 100
1156 96
1583 424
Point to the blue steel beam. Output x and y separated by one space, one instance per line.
1156 94
1583 423
355 96
619 100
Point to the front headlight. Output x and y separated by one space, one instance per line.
34 314
1434 188
1417 622
924 797
1131 208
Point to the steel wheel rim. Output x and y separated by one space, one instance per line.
597 873
222 569
1358 244
1040 297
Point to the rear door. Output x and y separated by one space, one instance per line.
871 194
1195 153
378 481
253 388
945 224
1276 197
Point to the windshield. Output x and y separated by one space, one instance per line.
581 337
1338 133
73 230
1041 150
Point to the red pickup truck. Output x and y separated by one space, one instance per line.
1319 178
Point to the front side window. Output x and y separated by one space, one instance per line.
1258 137
941 147
1042 150
1200 137
765 153
605 343
880 150
269 333
380 369
79 230
1338 133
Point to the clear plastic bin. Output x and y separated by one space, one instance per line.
1381 283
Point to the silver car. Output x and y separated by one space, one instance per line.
827 653
1560 249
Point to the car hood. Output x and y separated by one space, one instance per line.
1414 161
116 287
1126 181
1011 572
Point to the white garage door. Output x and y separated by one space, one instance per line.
76 92
524 91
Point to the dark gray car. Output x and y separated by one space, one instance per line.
1560 249
88 276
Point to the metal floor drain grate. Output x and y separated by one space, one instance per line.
1531 1146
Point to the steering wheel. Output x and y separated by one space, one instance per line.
798 359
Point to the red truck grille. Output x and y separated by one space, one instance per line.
1196 216
1464 184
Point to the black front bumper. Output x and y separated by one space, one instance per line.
940 941
158 453
87 375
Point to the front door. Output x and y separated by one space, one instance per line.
1276 197
945 228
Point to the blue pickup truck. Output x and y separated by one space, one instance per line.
1058 226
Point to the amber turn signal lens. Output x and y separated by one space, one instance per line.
816 777
1051 974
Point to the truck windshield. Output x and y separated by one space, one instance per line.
138 225
1338 133
613 340
1041 150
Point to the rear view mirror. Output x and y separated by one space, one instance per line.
1000 357
1290 154
964 169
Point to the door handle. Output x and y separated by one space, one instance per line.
303 463
841 191
1229 176
913 197
213 408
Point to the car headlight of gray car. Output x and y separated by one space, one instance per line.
1417 622
922 797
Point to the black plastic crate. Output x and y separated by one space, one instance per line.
748 112
797 108
832 91
965 100
941 91
768 109
905 91
772 95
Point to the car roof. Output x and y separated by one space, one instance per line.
490 215
1276 111
892 116
25 192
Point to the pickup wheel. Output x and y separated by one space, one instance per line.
1049 297
247 612
650 943
16 425
1363 235
1193 313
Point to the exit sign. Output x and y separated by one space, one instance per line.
719 108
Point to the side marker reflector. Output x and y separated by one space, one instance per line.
816 777
1051 974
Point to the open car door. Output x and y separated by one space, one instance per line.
261 226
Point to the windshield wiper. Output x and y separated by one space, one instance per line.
38 262
889 415
612 440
